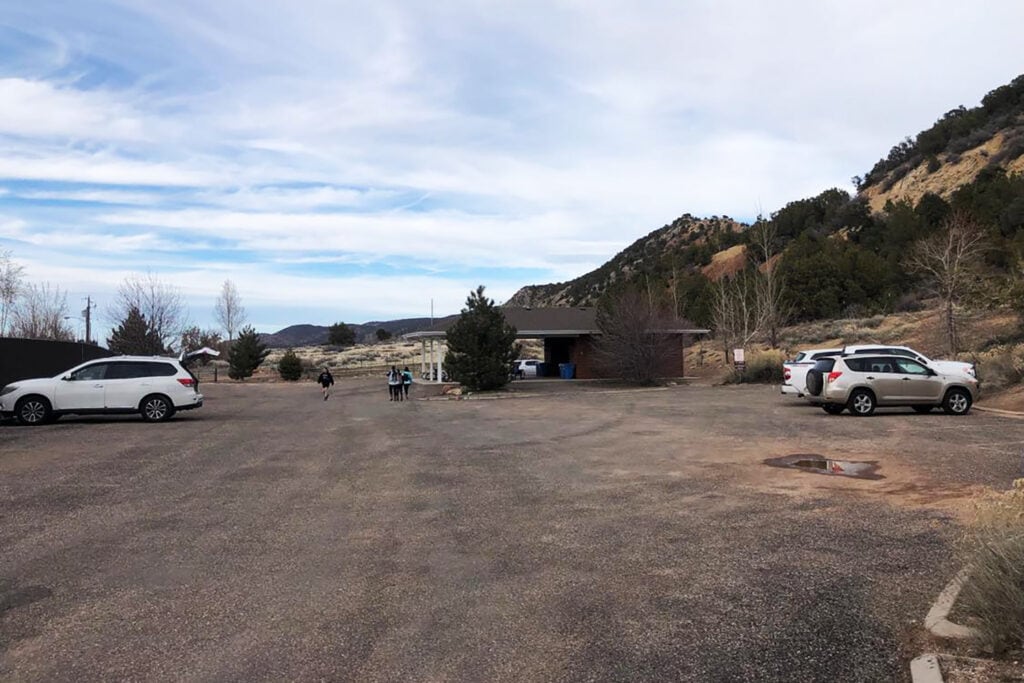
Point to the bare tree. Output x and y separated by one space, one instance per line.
736 315
160 303
769 285
228 310
11 277
948 262
40 314
633 343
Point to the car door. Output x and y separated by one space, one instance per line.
124 384
919 383
82 389
879 373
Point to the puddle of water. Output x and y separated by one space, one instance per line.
819 464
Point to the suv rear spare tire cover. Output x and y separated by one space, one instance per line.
815 382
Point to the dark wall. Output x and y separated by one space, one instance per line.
28 358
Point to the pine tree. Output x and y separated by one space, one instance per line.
340 334
247 353
135 336
290 366
481 345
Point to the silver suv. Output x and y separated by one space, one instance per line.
861 382
151 386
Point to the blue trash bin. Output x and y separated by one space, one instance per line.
567 370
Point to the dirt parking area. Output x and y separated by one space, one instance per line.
575 533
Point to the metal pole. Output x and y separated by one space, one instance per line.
88 318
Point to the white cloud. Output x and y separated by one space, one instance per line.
37 108
501 136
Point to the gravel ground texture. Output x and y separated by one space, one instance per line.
575 533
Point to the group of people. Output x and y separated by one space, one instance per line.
399 382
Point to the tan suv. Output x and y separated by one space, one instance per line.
861 383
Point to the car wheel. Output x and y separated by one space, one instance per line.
957 402
922 409
156 408
861 403
833 409
815 382
33 410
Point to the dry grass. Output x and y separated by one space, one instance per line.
361 359
992 599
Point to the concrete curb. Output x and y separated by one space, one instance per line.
937 621
1000 411
926 669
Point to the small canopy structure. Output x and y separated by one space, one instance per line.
568 335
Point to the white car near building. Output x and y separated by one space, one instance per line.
526 367
153 386
794 372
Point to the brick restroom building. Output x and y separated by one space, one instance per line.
568 334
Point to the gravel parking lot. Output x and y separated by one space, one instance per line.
574 533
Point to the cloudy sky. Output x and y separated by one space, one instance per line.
354 160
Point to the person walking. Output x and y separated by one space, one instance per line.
406 381
394 384
326 381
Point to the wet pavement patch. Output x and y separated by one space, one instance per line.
19 597
819 464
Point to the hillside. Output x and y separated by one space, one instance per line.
314 335
844 255
690 243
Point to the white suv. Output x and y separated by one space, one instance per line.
153 386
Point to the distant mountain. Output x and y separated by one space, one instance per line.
296 335
312 335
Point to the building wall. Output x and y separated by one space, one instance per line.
581 352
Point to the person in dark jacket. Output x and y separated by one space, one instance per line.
394 384
326 381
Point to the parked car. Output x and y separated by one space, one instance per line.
152 386
794 372
861 382
526 367
941 366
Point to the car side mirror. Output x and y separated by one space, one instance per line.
65 378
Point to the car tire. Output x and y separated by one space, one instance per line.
833 409
815 382
33 410
924 410
957 402
861 403
156 408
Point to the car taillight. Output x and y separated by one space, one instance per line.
186 381
834 375
785 373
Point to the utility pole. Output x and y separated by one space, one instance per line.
87 313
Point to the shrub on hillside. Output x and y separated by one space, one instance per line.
290 367
992 598
763 367
1002 368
